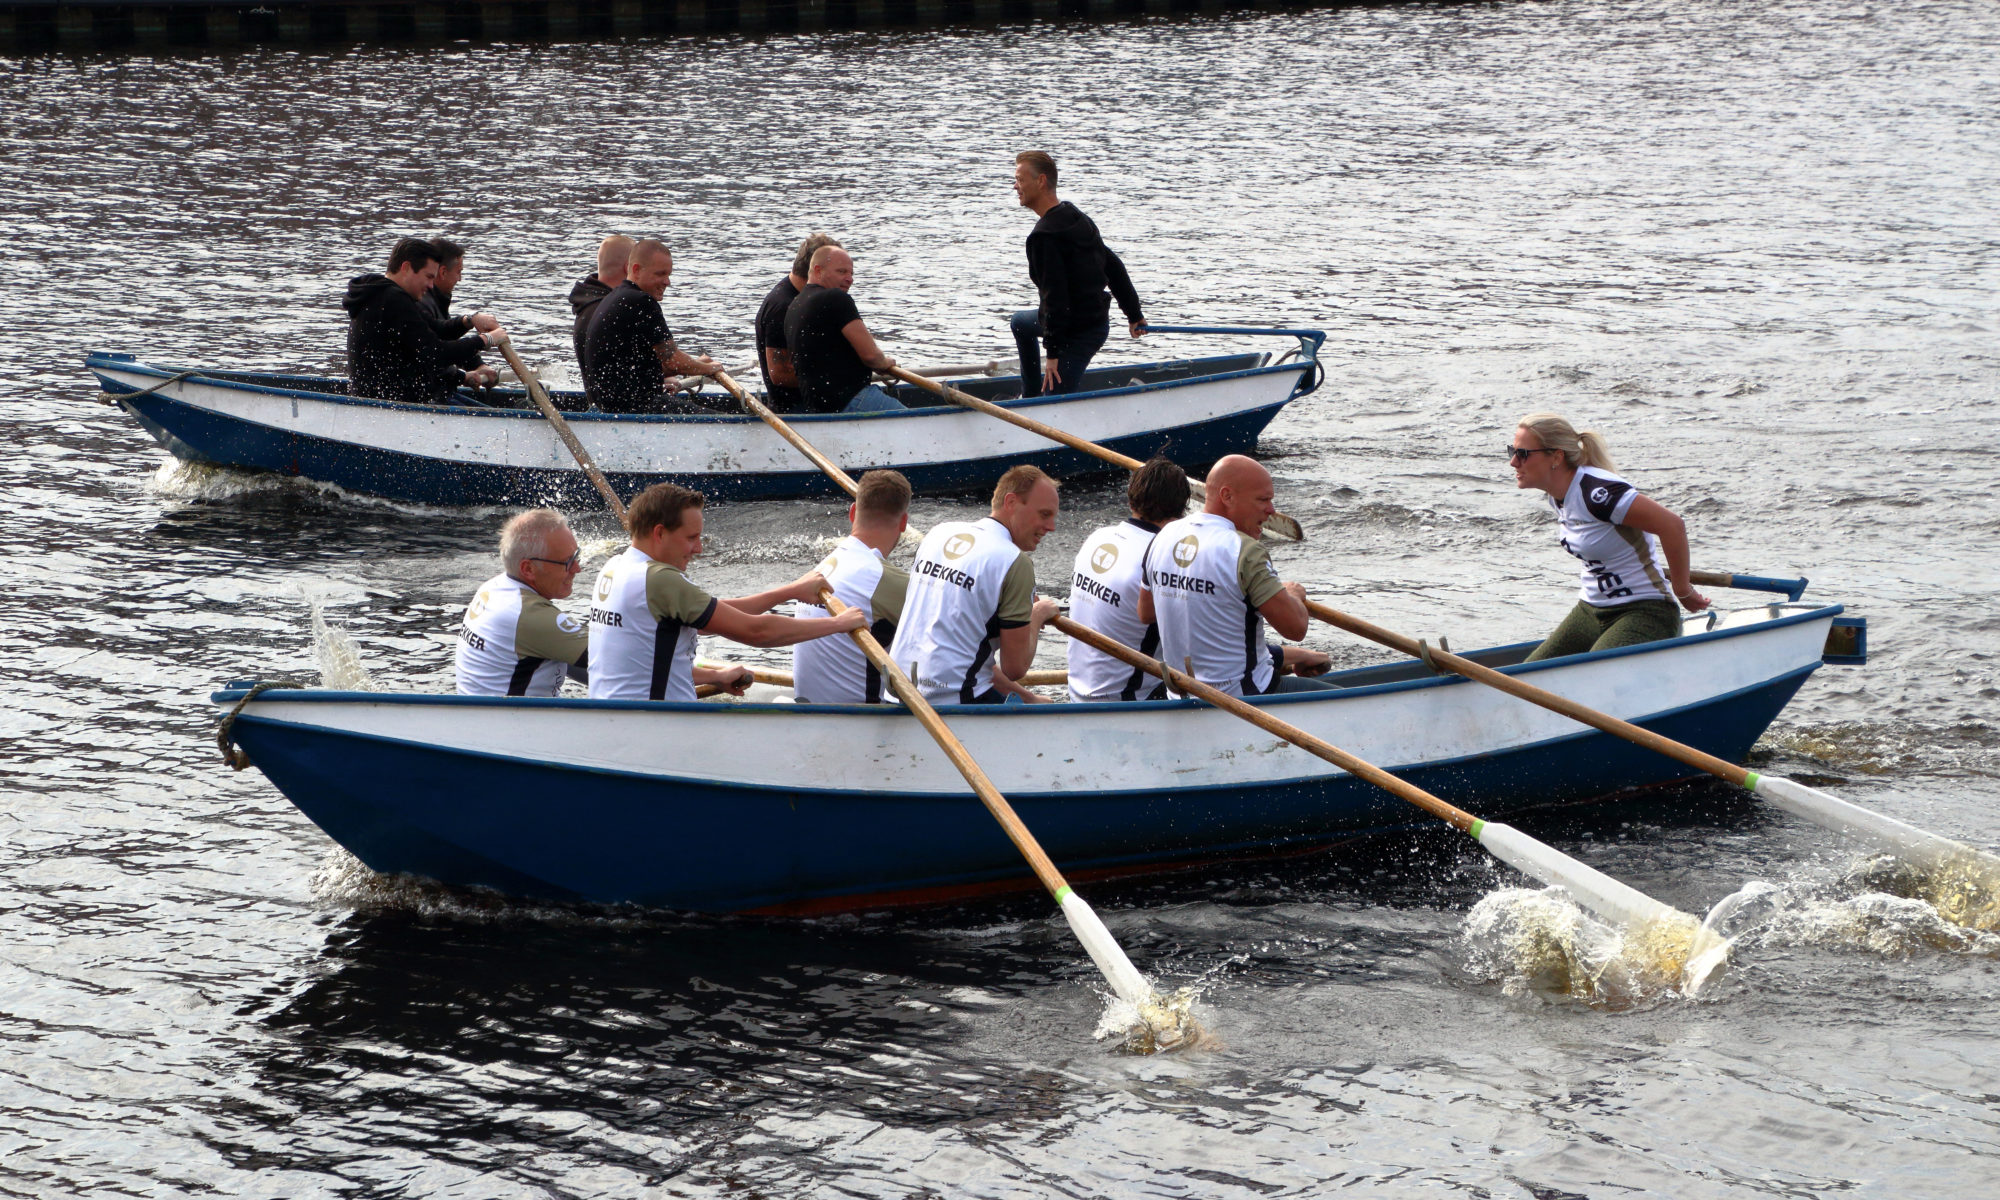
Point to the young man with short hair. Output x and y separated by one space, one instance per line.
834 670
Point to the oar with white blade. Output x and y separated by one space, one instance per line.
1966 880
1683 949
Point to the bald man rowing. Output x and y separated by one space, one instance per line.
1210 585
832 350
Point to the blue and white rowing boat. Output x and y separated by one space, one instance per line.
1196 410
772 807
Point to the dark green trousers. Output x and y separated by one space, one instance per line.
1587 628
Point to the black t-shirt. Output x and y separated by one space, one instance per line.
829 370
621 371
771 336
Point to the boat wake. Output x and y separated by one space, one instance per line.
209 483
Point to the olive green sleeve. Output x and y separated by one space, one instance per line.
673 598
545 631
1254 572
1017 594
889 592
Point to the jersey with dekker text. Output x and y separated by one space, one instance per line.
513 642
969 581
1208 579
832 670
643 621
1621 565
1104 591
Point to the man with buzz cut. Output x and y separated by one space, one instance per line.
833 670
1105 587
1210 585
972 605
645 614
515 641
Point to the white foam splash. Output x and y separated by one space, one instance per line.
340 663
1539 941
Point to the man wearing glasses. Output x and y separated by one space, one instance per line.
514 641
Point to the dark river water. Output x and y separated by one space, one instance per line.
1755 244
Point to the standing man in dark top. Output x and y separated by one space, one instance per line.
394 351
1071 267
613 253
630 361
774 354
832 350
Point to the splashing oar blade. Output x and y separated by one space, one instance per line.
1973 870
1679 935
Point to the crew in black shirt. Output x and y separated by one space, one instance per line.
1071 267
630 359
832 350
774 354
613 255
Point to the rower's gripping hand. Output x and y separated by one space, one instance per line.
1691 600
1046 609
735 680
706 366
850 619
495 337
1138 328
482 377
484 322
807 587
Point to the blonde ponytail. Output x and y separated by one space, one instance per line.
1584 449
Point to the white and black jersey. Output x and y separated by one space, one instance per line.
1104 592
513 642
968 583
1208 580
1621 565
832 670
644 617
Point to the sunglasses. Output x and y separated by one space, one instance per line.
568 564
1516 454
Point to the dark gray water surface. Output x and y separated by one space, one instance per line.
1753 243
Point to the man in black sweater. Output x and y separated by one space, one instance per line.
1071 267
774 353
612 255
394 350
436 303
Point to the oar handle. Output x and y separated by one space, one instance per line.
1697 759
563 431
1188 685
1791 589
763 413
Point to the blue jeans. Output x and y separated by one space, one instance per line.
1072 352
873 399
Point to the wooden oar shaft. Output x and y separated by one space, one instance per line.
763 413
955 750
556 422
1534 695
1187 685
991 409
778 678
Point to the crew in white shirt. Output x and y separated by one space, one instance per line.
1634 551
645 614
1210 584
971 619
1105 586
513 641
833 670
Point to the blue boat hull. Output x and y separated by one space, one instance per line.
615 837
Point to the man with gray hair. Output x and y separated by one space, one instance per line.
774 355
514 641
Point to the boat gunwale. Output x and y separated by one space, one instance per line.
925 795
234 691
97 363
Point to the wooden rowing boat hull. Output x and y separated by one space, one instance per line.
1197 410
687 806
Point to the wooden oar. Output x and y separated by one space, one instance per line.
555 420
777 678
1974 874
1278 525
1166 1024
757 408
1618 903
